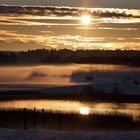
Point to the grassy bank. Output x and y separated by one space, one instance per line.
27 119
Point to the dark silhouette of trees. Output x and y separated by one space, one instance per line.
89 93
42 56
116 91
8 58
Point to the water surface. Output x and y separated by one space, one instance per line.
83 108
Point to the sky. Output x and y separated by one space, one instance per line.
89 3
37 24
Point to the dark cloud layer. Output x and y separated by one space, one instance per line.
63 11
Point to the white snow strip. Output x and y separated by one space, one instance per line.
11 134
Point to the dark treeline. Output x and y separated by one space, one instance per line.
42 56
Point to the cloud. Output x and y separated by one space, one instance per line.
18 45
68 11
68 16
12 40
35 75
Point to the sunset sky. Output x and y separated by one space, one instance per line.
105 24
84 3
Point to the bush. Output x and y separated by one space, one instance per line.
90 94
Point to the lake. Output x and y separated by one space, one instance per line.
83 108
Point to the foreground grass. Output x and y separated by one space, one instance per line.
26 119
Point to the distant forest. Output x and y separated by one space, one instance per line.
42 56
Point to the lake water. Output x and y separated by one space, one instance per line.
83 108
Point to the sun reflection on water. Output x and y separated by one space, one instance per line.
84 110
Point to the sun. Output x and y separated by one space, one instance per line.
84 110
86 19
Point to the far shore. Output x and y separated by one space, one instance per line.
108 92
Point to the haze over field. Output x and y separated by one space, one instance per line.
50 76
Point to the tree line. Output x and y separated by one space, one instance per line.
43 56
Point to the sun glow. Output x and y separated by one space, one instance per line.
84 110
86 19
